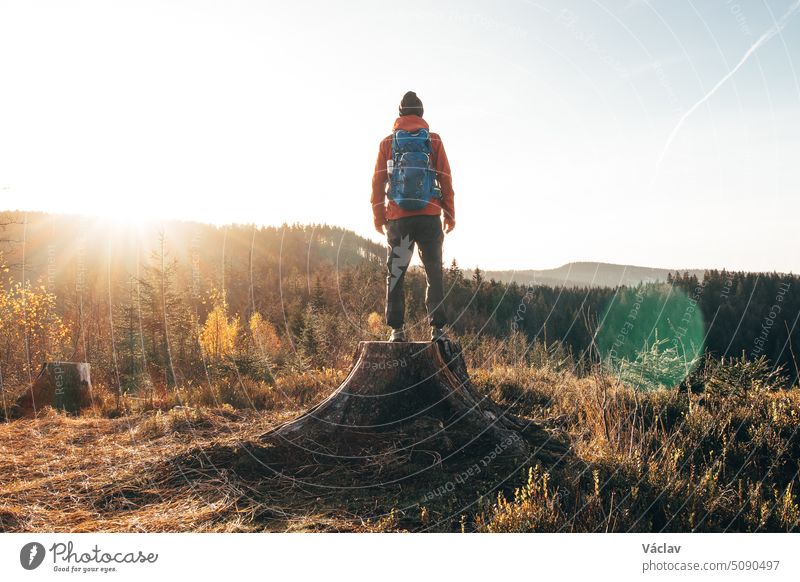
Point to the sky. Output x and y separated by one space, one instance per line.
659 133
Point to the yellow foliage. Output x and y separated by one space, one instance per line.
218 336
30 330
375 323
265 336
534 508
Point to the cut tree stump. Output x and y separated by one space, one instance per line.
409 402
62 385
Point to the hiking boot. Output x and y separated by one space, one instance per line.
439 335
398 335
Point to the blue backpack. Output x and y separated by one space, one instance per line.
412 183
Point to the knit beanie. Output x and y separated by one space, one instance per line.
411 105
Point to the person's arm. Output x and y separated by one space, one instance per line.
446 183
378 197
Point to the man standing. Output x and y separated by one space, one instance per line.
412 171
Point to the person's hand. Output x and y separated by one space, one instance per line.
449 224
379 226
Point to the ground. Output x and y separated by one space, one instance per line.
62 473
666 460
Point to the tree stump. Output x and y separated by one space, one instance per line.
62 385
407 400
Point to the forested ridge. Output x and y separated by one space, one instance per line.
164 303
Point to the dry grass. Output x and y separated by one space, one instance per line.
111 469
656 461
650 462
72 474
288 391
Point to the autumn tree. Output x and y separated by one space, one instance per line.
31 331
218 337
264 335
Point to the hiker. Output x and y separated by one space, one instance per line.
412 171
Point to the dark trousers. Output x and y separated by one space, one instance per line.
401 235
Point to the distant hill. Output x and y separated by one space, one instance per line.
589 274
57 241
256 265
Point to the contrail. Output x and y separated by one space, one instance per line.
756 45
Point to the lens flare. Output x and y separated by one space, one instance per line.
651 336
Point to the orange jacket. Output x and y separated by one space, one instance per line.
382 211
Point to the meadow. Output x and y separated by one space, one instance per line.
724 458
201 339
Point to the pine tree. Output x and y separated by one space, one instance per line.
477 278
162 306
129 340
